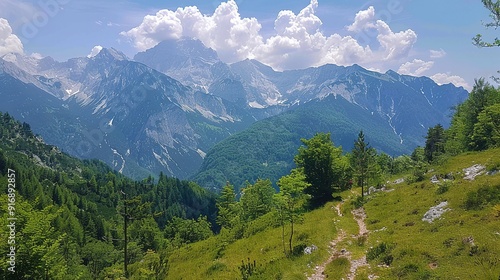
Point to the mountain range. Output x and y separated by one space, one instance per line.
174 105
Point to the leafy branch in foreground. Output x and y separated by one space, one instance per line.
494 8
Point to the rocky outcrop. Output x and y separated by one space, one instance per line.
435 212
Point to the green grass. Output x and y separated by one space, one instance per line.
338 268
437 250
414 249
203 261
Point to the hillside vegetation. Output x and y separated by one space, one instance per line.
434 215
464 243
336 214
66 216
266 149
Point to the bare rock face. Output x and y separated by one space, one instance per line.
398 181
435 212
472 172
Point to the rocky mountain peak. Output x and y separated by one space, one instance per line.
110 54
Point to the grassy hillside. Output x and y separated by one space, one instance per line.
464 243
209 259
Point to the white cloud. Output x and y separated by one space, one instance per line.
36 55
444 78
95 51
395 45
437 53
112 24
233 37
363 20
298 41
9 43
415 68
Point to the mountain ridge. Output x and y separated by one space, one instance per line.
139 119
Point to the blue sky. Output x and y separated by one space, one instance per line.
431 38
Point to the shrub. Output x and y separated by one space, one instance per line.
382 252
216 267
478 199
358 202
444 187
298 250
247 269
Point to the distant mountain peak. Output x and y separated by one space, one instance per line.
392 73
110 53
256 64
186 59
180 50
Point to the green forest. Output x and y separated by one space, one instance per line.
65 218
77 218
70 214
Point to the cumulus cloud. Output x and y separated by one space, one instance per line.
231 36
415 68
437 53
444 78
95 50
298 41
363 20
9 43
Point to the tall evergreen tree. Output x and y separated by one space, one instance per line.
257 200
434 143
363 161
460 134
226 204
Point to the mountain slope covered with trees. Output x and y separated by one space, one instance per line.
70 214
80 218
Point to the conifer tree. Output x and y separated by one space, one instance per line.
226 204
363 161
257 200
435 142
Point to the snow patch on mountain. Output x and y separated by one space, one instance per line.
201 153
255 104
122 166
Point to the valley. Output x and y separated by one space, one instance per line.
165 115
249 140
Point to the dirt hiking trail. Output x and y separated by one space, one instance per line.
360 216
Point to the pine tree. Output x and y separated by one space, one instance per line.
435 142
363 161
226 204
257 200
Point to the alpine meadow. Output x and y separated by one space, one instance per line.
249 140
